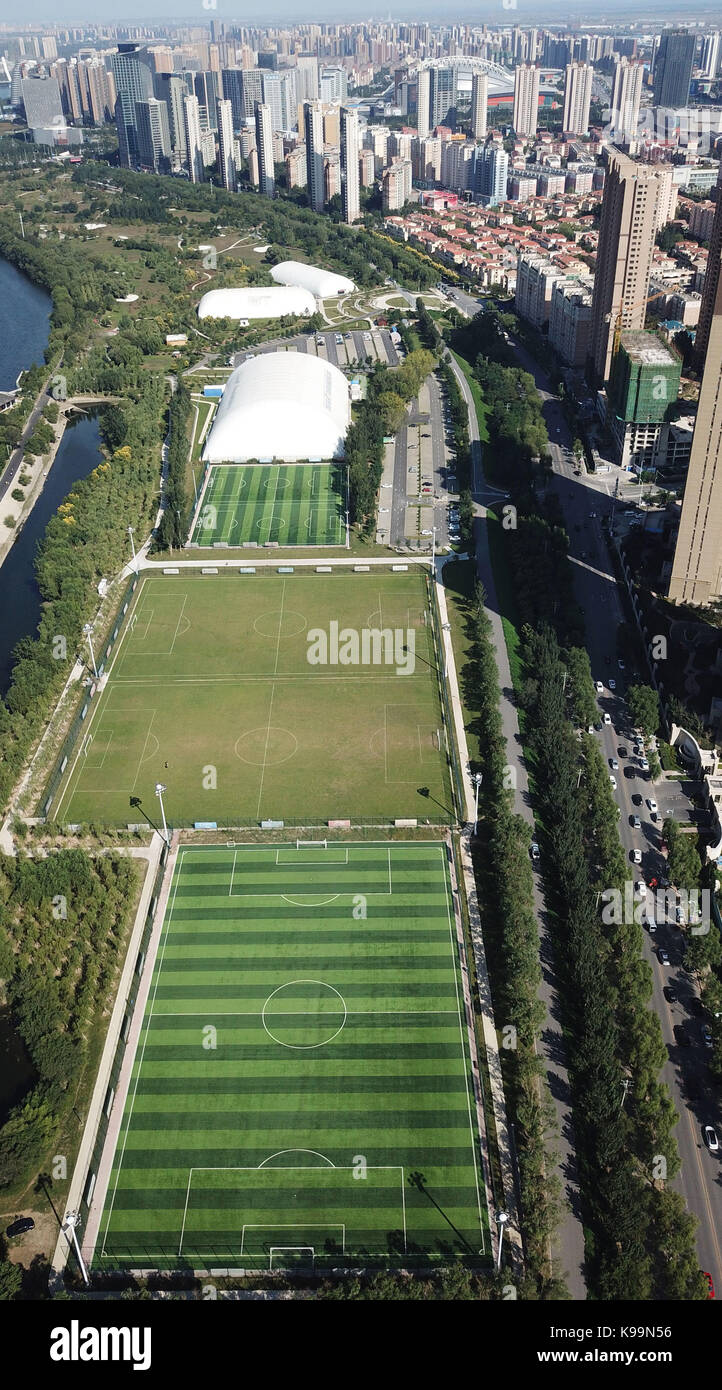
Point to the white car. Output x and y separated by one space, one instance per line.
606 718
710 1138
613 781
614 764
640 888
636 856
620 664
644 764
651 803
599 687
612 683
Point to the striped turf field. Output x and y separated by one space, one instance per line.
302 1085
294 504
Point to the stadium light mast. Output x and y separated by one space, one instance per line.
477 783
132 546
72 1220
347 535
501 1219
88 630
160 787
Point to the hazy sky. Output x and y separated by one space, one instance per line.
252 11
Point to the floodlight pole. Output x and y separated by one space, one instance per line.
477 783
72 1220
433 548
132 546
348 542
160 787
88 630
501 1219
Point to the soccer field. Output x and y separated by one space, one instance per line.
210 691
297 504
303 1087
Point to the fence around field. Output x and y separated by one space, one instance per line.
71 738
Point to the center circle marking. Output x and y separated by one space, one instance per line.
290 1014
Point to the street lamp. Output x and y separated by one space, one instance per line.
132 546
72 1220
347 535
501 1219
160 787
88 630
433 546
477 779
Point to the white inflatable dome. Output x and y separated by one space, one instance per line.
322 283
257 302
281 405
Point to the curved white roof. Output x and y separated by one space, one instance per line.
322 283
281 405
256 302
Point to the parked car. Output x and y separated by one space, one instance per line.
607 718
709 1282
651 803
663 955
612 683
613 781
620 664
20 1227
681 1035
706 1032
670 993
696 1006
709 1134
614 764
635 856
534 850
640 888
635 822
599 687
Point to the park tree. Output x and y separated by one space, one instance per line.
644 708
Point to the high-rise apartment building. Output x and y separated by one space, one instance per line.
673 68
396 185
193 139
42 101
226 161
577 98
711 56
153 134
479 102
626 96
526 99
264 146
624 257
334 84
697 565
711 279
443 96
172 89
350 199
313 127
491 171
423 102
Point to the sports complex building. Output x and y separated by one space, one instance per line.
281 405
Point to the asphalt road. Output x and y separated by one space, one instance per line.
686 1072
16 457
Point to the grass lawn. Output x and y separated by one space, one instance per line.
211 691
295 504
481 410
331 1113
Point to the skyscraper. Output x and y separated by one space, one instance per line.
626 96
193 139
423 99
673 68
479 99
42 101
526 99
171 88
226 162
577 98
153 134
710 56
697 565
313 126
350 204
264 146
491 170
131 70
624 257
307 87
711 279
443 95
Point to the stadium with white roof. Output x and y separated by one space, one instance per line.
288 406
322 283
257 302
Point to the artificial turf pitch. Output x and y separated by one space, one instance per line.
295 504
302 1089
210 691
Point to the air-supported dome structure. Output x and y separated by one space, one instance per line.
281 405
257 302
322 283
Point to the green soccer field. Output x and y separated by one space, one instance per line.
211 692
303 1086
295 504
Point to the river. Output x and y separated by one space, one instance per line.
23 324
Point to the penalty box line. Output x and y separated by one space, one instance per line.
314 892
294 1168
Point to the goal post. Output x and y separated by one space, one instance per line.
311 844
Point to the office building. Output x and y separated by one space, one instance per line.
624 257
673 69
42 101
207 87
193 139
626 96
710 56
307 83
526 99
313 128
479 101
443 96
577 98
264 147
350 198
697 566
131 69
226 161
172 89
423 103
153 135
